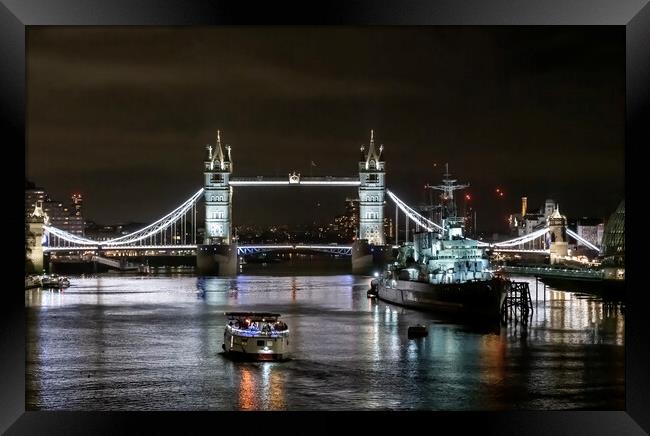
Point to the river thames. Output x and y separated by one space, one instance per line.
154 343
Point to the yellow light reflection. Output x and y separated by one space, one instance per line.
247 390
276 391
493 353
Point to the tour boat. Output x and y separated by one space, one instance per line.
256 336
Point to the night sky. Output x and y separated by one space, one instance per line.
122 115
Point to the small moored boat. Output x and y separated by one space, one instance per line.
372 292
33 282
256 336
417 331
55 281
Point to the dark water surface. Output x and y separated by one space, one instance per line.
154 343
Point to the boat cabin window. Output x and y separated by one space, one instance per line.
260 343
266 325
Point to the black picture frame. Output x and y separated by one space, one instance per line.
15 15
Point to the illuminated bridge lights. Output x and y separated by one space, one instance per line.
152 229
295 180
176 221
344 250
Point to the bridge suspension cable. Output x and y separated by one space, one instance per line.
430 225
154 229
415 217
581 239
522 239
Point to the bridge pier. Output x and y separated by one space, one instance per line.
216 260
368 259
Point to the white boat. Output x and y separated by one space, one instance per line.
256 336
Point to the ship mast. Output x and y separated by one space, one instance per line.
448 204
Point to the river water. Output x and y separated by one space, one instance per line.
154 343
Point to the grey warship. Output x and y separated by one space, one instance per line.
442 270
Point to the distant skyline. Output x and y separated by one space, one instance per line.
122 115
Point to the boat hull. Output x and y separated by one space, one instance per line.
481 298
255 357
255 347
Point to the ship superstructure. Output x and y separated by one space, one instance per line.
443 269
445 256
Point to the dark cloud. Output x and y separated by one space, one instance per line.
123 114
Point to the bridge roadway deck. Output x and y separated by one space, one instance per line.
286 181
242 249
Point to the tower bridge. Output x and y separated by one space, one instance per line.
217 253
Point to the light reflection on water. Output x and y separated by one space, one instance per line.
154 343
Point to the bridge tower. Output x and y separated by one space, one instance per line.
372 175
557 227
218 254
35 222
218 194
369 252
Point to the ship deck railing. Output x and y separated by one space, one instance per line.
253 333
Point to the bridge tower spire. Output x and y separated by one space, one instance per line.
372 188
